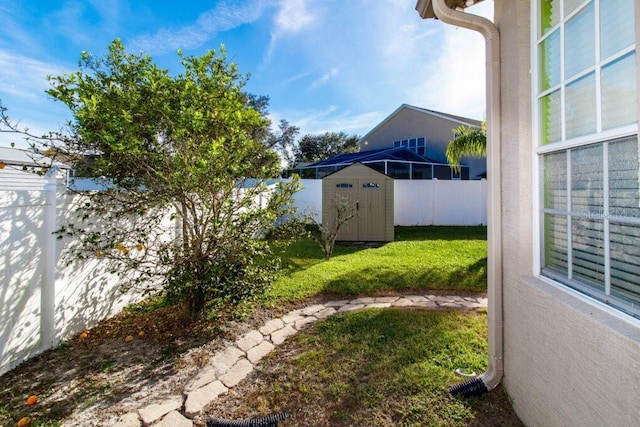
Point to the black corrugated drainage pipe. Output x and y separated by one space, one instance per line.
268 421
493 375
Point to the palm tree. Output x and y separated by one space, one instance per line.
468 142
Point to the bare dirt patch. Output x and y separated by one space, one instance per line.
122 364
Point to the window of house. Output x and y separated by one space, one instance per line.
417 145
586 119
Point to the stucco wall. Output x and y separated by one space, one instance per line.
568 360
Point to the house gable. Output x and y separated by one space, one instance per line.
408 121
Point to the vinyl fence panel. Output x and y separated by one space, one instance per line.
418 202
43 299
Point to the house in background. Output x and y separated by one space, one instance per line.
564 232
409 144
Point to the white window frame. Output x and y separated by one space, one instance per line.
565 145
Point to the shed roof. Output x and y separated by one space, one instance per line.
355 168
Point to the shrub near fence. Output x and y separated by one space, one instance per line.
417 202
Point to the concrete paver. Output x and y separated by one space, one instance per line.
312 309
237 373
279 336
379 305
174 419
302 322
224 360
271 326
255 354
152 413
450 305
198 399
426 304
402 302
336 303
351 307
387 299
325 313
250 340
292 317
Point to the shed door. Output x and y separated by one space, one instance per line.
344 192
366 196
371 210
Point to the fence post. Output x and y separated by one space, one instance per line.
434 201
483 203
48 287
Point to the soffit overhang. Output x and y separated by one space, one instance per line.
425 7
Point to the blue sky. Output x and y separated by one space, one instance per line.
327 65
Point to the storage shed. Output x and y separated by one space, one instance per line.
365 192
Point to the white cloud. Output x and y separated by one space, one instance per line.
292 16
325 78
455 80
23 82
292 79
331 119
24 77
225 16
456 83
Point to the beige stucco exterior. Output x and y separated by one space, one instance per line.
408 122
568 360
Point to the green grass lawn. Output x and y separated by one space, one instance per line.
382 367
420 258
377 367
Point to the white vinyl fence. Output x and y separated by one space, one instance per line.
417 202
42 299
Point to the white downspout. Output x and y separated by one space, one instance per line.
492 377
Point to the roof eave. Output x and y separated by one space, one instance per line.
425 7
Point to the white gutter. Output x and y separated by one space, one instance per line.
492 377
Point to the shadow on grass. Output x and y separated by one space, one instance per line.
440 232
379 279
304 252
